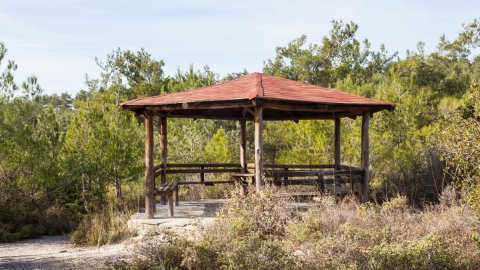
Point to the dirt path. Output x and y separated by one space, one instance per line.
55 252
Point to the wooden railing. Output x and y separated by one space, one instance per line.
279 174
201 169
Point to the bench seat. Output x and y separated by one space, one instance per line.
170 192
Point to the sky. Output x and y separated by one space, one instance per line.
58 40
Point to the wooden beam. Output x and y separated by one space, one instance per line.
317 107
250 111
268 116
195 116
149 172
337 144
365 156
202 105
258 148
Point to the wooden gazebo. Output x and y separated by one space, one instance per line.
257 97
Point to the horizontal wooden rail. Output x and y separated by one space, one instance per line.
252 166
199 165
313 182
293 166
201 168
208 183
280 173
284 174
203 171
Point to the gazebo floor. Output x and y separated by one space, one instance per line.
189 214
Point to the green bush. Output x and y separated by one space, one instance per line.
430 252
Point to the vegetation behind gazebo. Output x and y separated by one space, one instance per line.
257 97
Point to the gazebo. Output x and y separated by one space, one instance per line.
258 97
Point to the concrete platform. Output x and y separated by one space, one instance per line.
187 214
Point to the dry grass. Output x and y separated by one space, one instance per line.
106 225
263 231
390 237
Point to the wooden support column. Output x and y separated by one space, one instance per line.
258 148
149 171
337 144
162 126
365 156
243 145
243 153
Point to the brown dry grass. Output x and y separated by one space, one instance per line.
107 224
263 231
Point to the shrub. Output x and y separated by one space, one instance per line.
25 221
399 203
264 231
104 225
430 252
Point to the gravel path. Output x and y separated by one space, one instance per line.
55 252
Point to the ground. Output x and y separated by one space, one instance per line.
55 252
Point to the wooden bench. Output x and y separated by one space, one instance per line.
169 191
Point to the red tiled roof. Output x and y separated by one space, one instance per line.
258 85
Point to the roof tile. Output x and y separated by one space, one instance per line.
258 85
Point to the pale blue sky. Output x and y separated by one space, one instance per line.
58 40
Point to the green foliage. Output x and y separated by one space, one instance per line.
103 146
32 133
430 252
306 142
133 74
340 55
459 144
217 149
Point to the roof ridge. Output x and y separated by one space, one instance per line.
260 89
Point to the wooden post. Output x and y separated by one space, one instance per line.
243 153
162 122
337 144
243 145
258 148
365 156
176 196
285 178
202 174
149 172
170 204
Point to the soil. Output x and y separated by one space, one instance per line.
56 252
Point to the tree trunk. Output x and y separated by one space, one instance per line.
118 188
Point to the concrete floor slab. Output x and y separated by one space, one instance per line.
186 214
